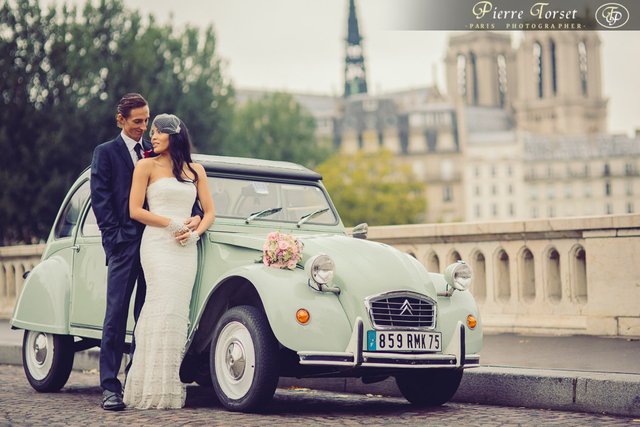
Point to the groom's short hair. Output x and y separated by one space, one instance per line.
129 102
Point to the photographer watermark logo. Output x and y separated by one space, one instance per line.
612 15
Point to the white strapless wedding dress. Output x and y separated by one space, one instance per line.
153 380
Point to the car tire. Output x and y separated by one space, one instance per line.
429 387
244 359
47 360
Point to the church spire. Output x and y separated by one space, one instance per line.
355 78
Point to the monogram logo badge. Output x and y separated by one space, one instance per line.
612 15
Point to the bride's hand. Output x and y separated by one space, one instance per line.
176 229
183 236
192 239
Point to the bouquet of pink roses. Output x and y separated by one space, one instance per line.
281 250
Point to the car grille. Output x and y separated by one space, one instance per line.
402 311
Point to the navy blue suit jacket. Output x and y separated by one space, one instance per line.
111 175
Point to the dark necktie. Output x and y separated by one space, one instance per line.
138 150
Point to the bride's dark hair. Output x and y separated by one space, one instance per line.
180 151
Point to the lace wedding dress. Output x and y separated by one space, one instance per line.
161 332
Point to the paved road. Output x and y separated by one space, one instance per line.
77 404
578 352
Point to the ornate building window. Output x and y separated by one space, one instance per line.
474 78
461 68
502 80
554 67
537 69
583 67
447 194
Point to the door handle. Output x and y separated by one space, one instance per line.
76 248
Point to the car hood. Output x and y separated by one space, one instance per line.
362 268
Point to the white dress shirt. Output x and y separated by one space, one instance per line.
130 143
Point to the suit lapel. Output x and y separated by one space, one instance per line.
122 150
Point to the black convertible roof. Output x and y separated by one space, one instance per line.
255 167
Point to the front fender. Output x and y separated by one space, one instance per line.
282 293
43 302
456 308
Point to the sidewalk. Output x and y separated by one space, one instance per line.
575 373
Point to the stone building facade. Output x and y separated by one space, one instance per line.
520 132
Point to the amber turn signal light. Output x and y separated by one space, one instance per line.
303 316
471 321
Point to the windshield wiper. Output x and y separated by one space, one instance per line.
312 215
260 214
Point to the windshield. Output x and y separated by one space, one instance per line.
241 198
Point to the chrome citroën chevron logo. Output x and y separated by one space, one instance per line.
406 307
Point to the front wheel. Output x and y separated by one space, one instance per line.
244 359
429 387
47 360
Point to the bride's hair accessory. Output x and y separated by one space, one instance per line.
166 123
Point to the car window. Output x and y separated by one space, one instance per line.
71 211
239 198
90 225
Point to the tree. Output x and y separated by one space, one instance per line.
276 127
62 72
373 188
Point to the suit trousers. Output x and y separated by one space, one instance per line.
123 271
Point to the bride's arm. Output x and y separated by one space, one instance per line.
206 201
141 175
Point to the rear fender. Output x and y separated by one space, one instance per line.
43 302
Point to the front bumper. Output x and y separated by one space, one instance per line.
454 355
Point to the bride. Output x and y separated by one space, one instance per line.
169 182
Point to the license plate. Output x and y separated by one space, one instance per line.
403 341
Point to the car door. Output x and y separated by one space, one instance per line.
89 290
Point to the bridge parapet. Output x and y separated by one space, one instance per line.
546 276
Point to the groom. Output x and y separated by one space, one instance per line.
111 174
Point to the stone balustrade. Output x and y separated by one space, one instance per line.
547 276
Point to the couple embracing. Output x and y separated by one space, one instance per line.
151 213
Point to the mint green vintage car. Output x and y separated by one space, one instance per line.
349 308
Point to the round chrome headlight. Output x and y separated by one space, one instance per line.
459 275
321 269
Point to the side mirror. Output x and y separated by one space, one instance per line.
360 231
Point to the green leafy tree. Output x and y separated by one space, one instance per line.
373 188
62 72
276 127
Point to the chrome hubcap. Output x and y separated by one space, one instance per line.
40 349
235 359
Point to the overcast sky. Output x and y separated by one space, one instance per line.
298 45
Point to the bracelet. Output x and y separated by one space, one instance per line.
174 227
191 240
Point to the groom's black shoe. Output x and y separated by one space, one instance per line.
112 401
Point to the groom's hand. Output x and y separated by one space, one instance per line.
193 222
